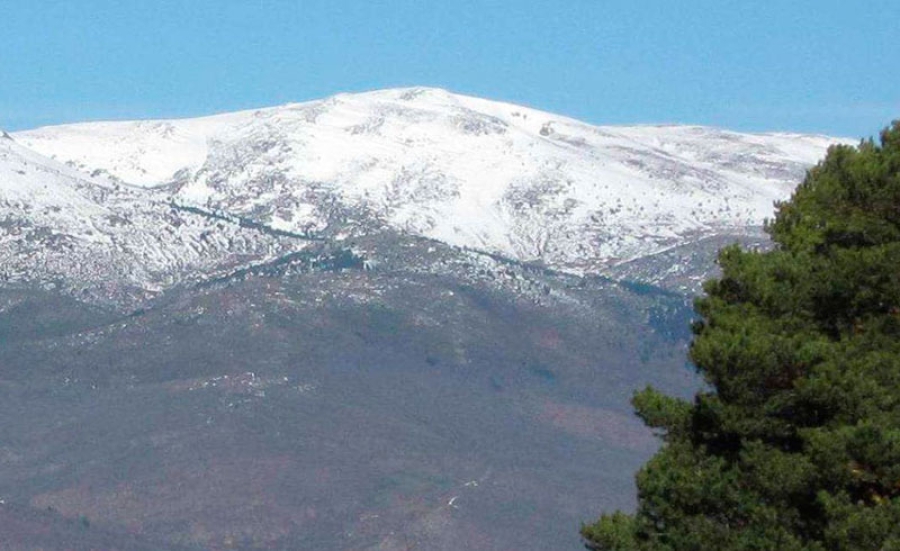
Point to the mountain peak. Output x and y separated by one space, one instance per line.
408 93
480 174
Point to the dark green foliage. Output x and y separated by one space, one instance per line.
796 444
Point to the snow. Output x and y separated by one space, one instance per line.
466 171
59 224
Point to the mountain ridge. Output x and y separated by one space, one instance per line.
473 173
264 345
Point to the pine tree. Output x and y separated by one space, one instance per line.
795 443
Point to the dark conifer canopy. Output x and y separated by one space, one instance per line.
796 444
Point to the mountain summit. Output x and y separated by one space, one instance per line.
376 321
472 173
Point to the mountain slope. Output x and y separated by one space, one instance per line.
376 321
468 172
387 408
59 226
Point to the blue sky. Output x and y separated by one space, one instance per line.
812 66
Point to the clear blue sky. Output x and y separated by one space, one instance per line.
814 66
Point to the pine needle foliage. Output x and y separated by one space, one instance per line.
795 444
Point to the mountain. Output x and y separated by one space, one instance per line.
488 176
91 235
480 405
379 321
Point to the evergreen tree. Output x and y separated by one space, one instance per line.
795 444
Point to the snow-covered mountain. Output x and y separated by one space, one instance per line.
489 176
332 325
62 227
